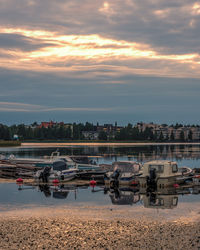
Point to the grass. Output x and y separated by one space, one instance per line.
10 143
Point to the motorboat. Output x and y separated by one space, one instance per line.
38 162
163 173
196 180
59 170
78 162
124 173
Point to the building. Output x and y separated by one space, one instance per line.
47 124
90 135
189 132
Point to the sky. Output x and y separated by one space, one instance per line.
100 61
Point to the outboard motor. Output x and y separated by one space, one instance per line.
44 175
151 179
117 193
116 174
115 178
45 189
152 198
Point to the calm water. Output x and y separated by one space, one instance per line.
188 155
14 196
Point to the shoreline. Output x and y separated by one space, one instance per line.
69 229
90 226
64 144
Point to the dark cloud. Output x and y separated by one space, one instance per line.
15 41
170 32
169 27
140 98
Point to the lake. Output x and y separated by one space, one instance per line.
13 196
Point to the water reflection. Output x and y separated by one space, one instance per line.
73 194
155 200
139 153
124 196
161 198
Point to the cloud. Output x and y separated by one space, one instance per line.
67 52
18 107
24 107
105 57
16 41
128 20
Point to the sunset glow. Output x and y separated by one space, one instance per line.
82 47
86 60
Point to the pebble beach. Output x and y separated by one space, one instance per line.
68 229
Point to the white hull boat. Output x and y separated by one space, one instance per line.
59 171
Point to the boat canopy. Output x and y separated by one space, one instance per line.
127 167
59 166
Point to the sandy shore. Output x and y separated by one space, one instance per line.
99 144
67 229
88 226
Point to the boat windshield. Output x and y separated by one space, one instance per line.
158 168
127 167
59 166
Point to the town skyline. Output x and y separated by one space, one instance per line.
106 132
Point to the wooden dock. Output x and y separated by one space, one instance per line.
17 170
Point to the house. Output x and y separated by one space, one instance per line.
91 135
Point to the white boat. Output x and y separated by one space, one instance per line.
40 162
47 161
162 174
59 170
124 173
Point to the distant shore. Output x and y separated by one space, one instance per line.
99 144
9 143
46 144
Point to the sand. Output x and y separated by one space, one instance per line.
99 144
68 229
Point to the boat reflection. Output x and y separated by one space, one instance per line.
57 191
162 198
155 200
124 196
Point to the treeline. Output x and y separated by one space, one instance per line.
34 132
132 133
23 132
75 132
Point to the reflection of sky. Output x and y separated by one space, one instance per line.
11 197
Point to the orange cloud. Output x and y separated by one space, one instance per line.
84 48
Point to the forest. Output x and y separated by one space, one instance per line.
61 131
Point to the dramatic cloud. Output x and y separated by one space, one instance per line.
100 56
55 51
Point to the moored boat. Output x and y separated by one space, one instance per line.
124 173
162 174
59 171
